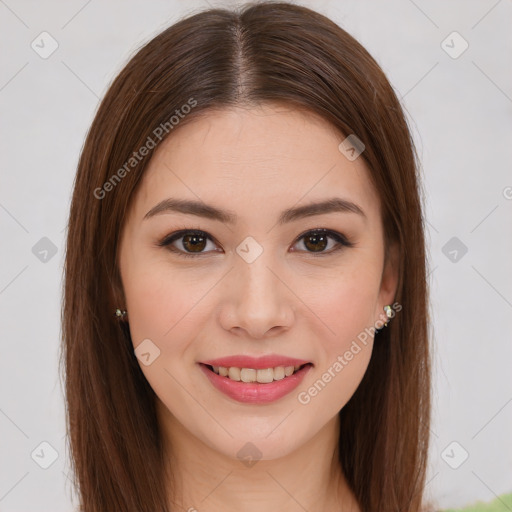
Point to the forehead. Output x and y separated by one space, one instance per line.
254 157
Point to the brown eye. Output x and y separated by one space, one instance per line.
194 243
187 242
316 241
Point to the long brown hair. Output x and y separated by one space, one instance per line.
263 52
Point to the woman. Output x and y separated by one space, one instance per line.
245 314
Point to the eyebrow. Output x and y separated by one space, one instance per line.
200 209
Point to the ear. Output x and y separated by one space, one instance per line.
389 281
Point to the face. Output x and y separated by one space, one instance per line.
267 278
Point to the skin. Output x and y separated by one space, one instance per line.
291 301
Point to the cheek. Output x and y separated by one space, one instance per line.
335 383
345 350
162 301
345 302
167 311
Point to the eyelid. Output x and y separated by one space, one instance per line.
340 238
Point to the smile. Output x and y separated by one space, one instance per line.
263 376
255 386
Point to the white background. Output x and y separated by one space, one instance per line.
460 113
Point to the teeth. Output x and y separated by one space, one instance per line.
263 376
288 370
279 373
234 373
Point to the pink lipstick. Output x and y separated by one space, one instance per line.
256 392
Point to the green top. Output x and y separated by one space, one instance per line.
502 503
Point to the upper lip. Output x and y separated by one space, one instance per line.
258 363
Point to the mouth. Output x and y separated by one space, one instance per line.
256 375
255 385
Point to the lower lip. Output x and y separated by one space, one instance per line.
255 392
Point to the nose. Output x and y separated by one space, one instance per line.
258 300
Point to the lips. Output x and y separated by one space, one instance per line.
256 392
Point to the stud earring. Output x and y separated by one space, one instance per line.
120 313
389 314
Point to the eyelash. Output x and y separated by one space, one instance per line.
169 239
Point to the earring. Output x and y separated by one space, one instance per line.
121 314
389 314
